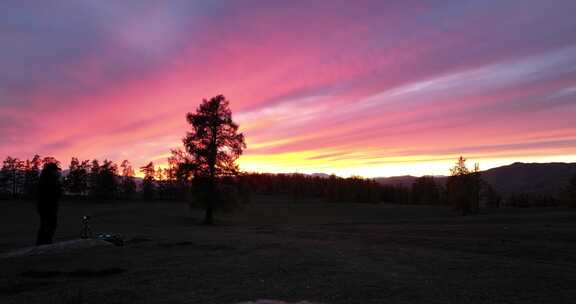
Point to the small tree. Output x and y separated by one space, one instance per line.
93 178
127 185
76 182
13 173
161 183
463 188
212 147
3 184
103 183
108 185
31 175
148 184
180 172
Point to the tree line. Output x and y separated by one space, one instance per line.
300 186
19 178
464 190
107 180
204 172
93 179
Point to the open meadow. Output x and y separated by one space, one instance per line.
277 249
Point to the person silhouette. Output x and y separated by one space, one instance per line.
49 191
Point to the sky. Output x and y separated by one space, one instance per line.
369 88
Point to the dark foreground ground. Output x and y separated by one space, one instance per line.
328 253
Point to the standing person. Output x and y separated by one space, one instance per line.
49 191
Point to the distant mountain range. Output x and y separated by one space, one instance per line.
543 178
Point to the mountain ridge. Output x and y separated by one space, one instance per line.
542 178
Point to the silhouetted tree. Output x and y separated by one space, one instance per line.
212 147
31 175
463 188
51 160
108 184
181 165
13 174
76 182
103 183
49 192
176 189
4 185
93 178
180 170
360 190
161 183
148 183
128 185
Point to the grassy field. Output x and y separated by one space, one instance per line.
274 249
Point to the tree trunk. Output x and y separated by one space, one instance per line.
209 218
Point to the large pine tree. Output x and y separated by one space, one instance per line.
212 147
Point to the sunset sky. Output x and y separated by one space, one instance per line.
371 88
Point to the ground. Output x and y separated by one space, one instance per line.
274 249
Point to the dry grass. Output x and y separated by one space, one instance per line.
327 253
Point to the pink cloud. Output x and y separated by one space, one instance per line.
381 83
